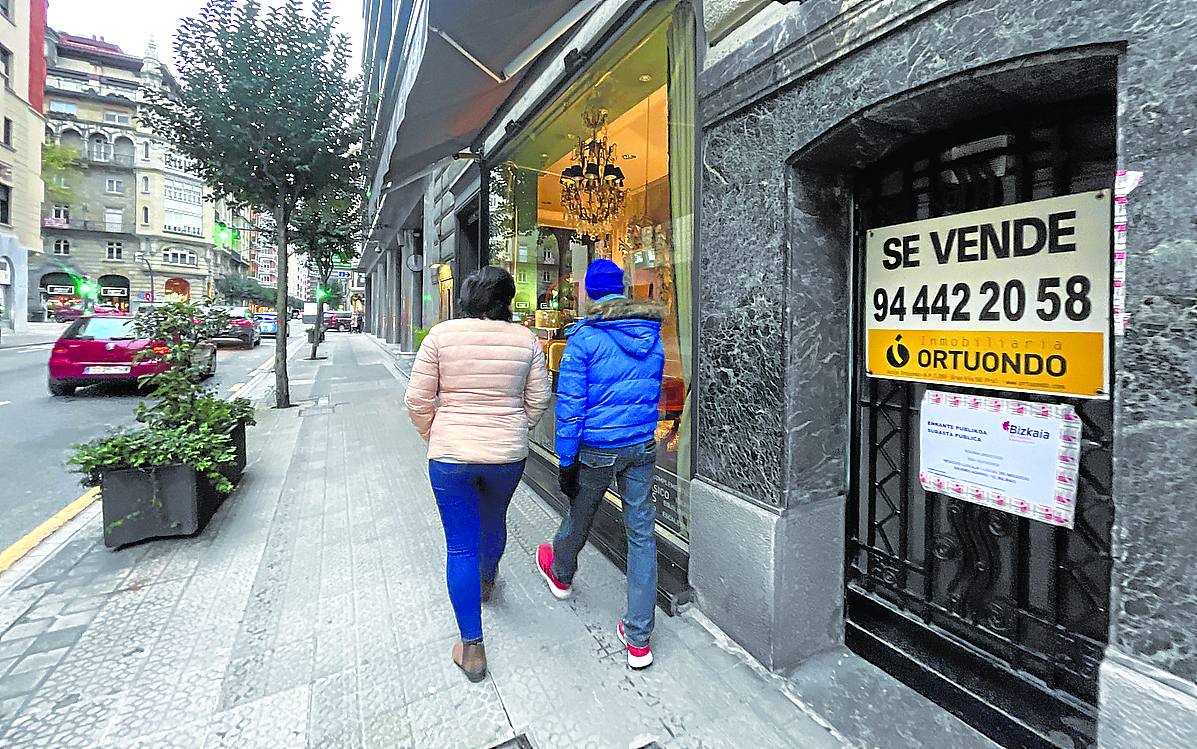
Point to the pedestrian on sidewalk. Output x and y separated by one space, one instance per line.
478 385
607 395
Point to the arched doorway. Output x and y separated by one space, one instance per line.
7 310
59 292
178 289
114 291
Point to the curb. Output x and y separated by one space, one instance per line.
26 555
20 346
396 358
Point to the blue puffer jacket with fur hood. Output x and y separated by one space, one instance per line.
610 379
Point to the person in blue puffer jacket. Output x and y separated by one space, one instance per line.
608 389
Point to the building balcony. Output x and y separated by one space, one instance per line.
102 156
85 224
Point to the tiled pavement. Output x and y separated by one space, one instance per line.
312 612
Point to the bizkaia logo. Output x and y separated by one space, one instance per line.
897 354
1030 433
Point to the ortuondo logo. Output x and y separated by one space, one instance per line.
897 354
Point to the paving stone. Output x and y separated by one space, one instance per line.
38 660
22 683
312 612
472 716
31 628
14 648
58 638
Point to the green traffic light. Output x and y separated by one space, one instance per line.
84 288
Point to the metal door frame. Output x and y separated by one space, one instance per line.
981 671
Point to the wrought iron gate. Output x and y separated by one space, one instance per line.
1000 619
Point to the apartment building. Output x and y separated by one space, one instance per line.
23 68
137 223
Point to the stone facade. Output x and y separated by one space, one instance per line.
774 348
20 154
132 191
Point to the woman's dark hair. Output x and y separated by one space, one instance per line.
487 294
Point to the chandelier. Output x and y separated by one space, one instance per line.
592 187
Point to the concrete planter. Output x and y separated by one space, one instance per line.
163 501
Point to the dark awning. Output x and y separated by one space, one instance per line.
462 59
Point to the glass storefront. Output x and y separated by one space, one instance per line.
607 171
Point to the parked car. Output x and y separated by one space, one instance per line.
66 314
101 348
267 323
337 321
242 328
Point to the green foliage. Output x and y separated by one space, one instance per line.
266 105
202 447
61 169
239 289
418 337
267 109
184 423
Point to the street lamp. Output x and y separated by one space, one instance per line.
141 257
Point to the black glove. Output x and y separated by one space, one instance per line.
567 479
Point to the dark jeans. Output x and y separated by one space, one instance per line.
472 499
632 468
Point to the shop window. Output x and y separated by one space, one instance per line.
62 246
116 250
629 200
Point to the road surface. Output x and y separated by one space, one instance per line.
37 430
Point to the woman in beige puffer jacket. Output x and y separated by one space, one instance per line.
478 385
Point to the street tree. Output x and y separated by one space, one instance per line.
328 231
267 110
61 169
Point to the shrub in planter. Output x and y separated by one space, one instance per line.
167 477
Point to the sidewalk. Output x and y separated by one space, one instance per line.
313 612
39 333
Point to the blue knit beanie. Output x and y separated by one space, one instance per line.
603 278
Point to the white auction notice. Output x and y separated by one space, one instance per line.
1010 455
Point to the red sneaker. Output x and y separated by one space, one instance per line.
544 563
637 657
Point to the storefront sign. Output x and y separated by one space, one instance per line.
1009 455
61 290
1011 298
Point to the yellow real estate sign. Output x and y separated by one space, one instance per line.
1008 298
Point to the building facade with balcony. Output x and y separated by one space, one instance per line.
23 69
135 219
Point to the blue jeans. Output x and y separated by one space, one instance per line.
473 499
632 468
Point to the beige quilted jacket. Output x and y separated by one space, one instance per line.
476 388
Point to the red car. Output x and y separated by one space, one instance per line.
100 348
63 314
